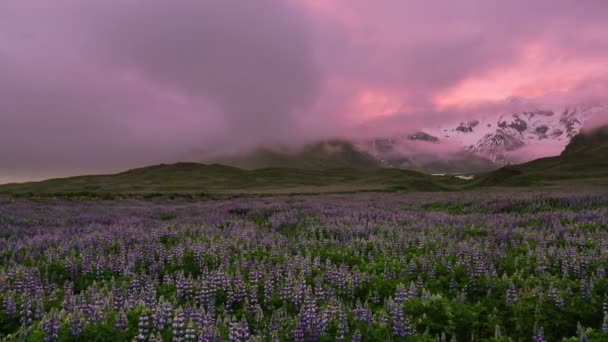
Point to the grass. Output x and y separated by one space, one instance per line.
564 169
200 180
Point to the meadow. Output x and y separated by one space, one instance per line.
469 266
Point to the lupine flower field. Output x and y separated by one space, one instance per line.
363 267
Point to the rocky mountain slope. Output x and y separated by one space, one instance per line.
585 159
500 139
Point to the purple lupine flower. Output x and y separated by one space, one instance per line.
585 289
179 325
556 297
121 321
239 331
356 336
453 285
208 334
401 325
511 294
162 315
27 311
190 333
401 294
539 336
298 333
143 327
51 327
156 337
77 322
363 313
342 326
10 307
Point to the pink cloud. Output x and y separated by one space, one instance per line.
115 84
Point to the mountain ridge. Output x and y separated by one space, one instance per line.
196 178
585 158
499 139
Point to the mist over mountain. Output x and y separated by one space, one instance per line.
480 144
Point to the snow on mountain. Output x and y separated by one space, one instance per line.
500 138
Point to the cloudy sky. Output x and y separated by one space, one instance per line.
104 85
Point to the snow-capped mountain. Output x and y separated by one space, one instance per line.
500 139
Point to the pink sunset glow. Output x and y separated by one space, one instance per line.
99 86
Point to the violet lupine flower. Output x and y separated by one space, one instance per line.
274 335
143 327
322 321
605 325
150 292
190 333
27 311
298 333
309 311
196 316
239 331
342 326
453 285
10 307
511 294
356 336
401 294
268 287
363 313
162 315
413 290
375 297
314 334
539 336
51 326
77 322
401 325
121 321
208 334
156 337
179 325
586 289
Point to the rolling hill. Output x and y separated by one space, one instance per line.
202 179
585 160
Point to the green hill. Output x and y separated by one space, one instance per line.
585 160
197 179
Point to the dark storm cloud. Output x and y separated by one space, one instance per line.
102 86
252 59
